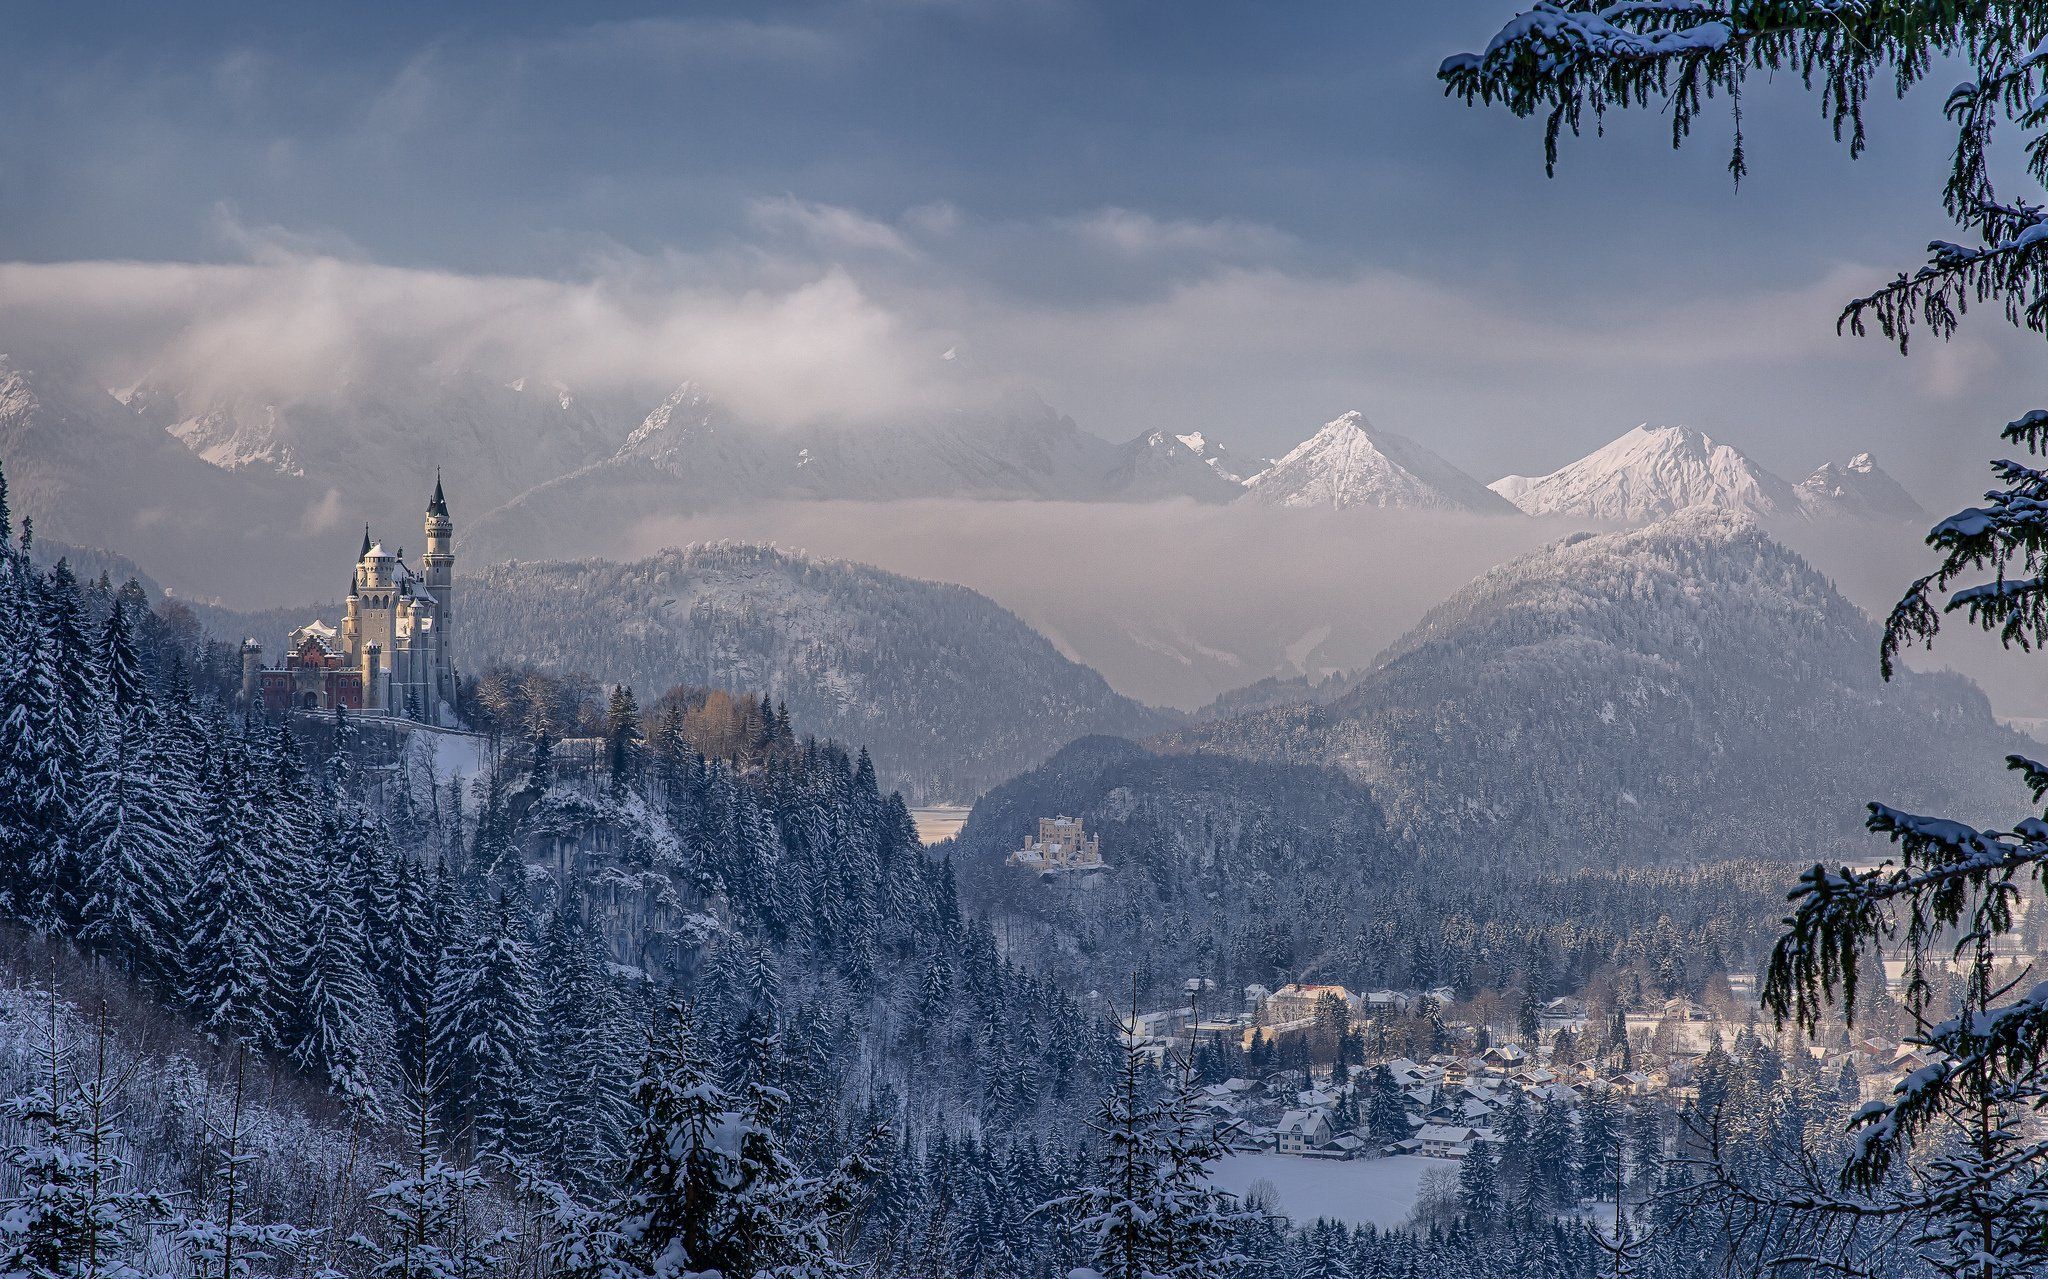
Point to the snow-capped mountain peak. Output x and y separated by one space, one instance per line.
1160 464
1651 472
1352 463
1858 486
687 410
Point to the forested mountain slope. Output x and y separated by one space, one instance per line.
1242 872
469 950
1687 690
950 692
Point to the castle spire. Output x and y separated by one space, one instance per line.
366 543
437 505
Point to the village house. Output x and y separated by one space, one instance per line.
1301 1130
1447 1141
1295 1002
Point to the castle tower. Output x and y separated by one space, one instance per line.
373 678
439 563
252 668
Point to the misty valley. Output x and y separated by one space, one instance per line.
1293 661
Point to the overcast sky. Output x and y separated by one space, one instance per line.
1239 218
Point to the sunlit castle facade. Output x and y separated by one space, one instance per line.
393 653
1062 843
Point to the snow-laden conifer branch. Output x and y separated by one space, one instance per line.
1566 58
2007 538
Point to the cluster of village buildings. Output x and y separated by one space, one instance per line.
1452 1099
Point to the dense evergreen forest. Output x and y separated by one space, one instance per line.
1240 872
663 990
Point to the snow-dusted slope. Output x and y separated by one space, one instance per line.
88 471
690 454
505 437
1352 463
1649 473
1687 689
1218 457
1161 464
949 691
1858 487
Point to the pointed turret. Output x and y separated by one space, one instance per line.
439 579
366 544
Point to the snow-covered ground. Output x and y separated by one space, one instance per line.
462 755
1379 1192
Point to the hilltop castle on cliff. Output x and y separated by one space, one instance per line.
394 652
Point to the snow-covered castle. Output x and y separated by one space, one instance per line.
394 652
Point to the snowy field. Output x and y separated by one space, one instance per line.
1379 1192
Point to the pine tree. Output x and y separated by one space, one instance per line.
581 1102
35 853
344 1030
706 1187
1550 1141
487 1028
73 1212
622 738
427 1223
1596 1146
127 690
232 979
1479 1193
1151 1211
1385 1109
136 834
409 945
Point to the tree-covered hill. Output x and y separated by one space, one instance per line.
1244 871
949 692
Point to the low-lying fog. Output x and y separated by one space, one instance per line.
1175 602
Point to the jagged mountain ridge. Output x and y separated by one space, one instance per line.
89 472
1648 473
1654 471
1676 691
1352 463
1160 464
1858 487
690 454
508 435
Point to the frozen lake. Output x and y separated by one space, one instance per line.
1379 1192
940 821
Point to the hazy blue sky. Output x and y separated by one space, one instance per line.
1243 218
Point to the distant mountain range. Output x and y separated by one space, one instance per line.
244 498
1654 471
